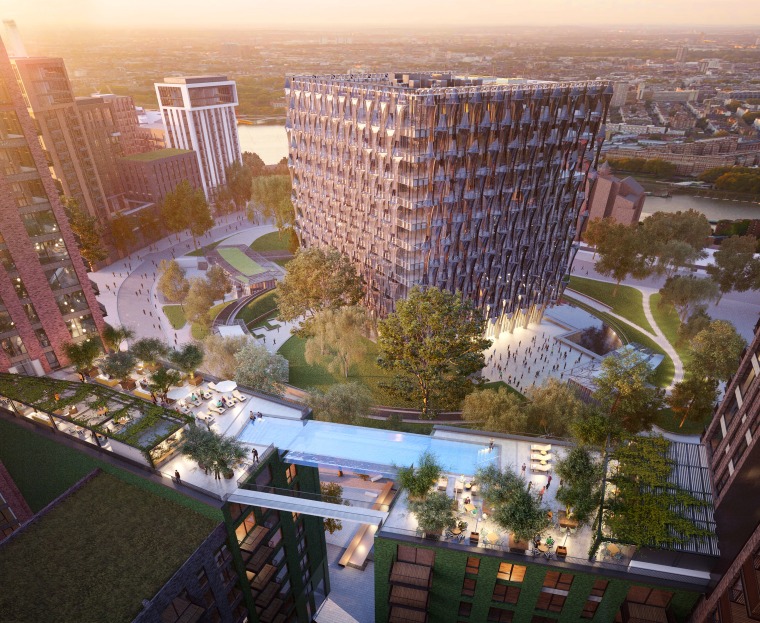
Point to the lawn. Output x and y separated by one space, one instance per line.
626 303
367 372
240 261
176 316
670 421
270 242
665 371
198 331
667 319
99 574
264 305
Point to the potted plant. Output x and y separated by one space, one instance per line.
149 350
119 365
418 481
213 452
114 336
434 514
188 359
162 379
83 354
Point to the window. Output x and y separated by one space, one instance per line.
84 325
304 562
51 251
589 609
264 477
473 564
560 581
62 277
222 555
275 539
505 594
249 523
550 602
6 260
6 323
181 609
512 573
13 346
464 609
736 592
468 587
302 545
290 473
40 223
42 337
498 615
31 313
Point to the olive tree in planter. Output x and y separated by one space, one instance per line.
213 452
188 359
149 350
418 480
82 354
162 379
119 365
435 513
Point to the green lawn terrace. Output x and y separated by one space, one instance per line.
60 567
686 563
248 270
116 421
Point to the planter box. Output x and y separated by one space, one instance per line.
128 384
195 381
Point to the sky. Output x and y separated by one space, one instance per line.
326 14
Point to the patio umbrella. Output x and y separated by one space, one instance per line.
178 393
226 386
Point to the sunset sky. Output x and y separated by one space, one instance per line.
33 14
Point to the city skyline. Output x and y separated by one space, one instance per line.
333 14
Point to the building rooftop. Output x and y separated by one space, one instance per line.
194 79
158 154
97 574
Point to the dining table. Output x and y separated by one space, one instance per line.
492 537
470 508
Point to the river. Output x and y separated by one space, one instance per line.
270 142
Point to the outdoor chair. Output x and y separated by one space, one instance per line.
238 396
213 387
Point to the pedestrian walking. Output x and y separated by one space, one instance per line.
530 484
522 469
176 477
255 456
549 481
541 494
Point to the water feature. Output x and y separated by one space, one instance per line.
268 141
713 209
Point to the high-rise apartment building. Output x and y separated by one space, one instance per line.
152 175
199 114
468 184
733 443
49 98
46 298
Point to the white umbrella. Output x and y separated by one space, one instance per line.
178 393
226 386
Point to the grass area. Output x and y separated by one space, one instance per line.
667 319
99 574
670 421
626 303
498 384
283 263
176 316
203 251
240 261
27 454
264 304
665 371
158 154
270 242
367 372
198 331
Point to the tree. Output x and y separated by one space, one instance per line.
497 486
435 513
213 452
624 390
114 336
343 403
696 322
172 283
648 508
188 358
594 428
224 202
735 266
716 351
690 227
581 477
417 481
686 294
174 208
317 280
332 493
149 349
498 410
118 364
261 370
552 407
219 283
523 514
220 354
271 196
433 343
87 232
198 302
674 254
122 232
620 250
693 398
199 218
254 162
239 182
82 354
338 338
162 380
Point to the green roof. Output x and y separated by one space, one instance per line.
150 156
240 261
97 555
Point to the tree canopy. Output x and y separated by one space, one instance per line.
686 293
114 336
213 452
187 358
619 248
315 280
118 364
82 354
735 266
270 196
552 407
693 398
87 232
343 403
581 477
199 301
498 410
239 181
122 232
261 370
162 379
172 283
149 349
218 282
433 343
338 338
716 351
220 353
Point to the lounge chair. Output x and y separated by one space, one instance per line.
238 396
215 409
212 386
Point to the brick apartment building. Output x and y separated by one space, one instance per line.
150 176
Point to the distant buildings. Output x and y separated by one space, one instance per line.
199 114
151 175
468 184
611 197
46 299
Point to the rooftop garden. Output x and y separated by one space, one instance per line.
117 573
157 154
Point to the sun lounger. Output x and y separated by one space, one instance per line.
238 396
213 387
215 409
